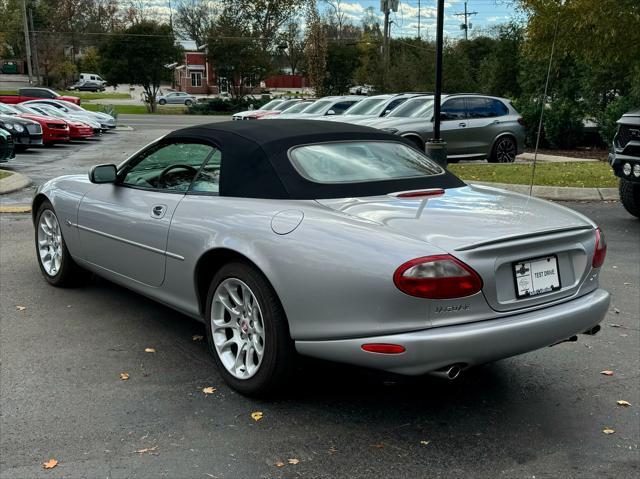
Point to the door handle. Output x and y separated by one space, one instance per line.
463 124
158 211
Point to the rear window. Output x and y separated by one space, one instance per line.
359 161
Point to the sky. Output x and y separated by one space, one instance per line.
405 20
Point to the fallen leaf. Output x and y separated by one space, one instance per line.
149 350
616 310
614 325
425 443
606 372
624 403
377 446
293 461
124 376
627 284
608 431
209 390
332 450
197 337
256 415
147 449
50 464
21 308
279 464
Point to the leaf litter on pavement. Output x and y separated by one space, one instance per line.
256 415
50 464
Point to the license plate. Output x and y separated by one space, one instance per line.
536 276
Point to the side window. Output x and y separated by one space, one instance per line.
393 104
170 167
498 108
479 108
454 109
339 108
208 179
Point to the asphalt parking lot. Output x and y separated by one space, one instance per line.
62 351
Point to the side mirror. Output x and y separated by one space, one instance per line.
331 112
103 174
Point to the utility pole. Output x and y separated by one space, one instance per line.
419 20
436 148
27 44
36 62
465 26
387 6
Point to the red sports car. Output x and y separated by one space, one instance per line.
77 129
54 130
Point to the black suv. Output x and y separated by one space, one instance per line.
625 160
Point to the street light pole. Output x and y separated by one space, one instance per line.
436 148
27 44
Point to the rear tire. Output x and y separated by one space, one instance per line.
630 196
162 102
504 150
247 331
188 102
54 260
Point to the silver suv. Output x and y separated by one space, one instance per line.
475 127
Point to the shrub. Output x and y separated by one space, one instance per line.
563 124
221 106
530 112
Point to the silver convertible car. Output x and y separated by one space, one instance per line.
328 240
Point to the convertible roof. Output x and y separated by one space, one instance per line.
255 161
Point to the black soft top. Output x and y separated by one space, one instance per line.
255 161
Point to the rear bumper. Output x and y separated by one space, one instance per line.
469 344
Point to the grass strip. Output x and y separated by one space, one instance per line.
579 174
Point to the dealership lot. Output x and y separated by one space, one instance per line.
62 351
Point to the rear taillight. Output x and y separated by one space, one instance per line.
521 121
601 249
437 277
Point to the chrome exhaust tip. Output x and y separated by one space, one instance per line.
448 372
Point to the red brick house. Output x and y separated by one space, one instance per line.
195 74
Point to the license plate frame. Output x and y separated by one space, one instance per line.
525 280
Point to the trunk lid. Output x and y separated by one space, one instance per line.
490 230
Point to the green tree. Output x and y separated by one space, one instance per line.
236 54
342 61
316 49
139 55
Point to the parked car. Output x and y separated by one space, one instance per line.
26 133
295 108
105 121
177 98
54 130
6 146
415 107
26 94
244 115
372 107
87 85
82 124
326 106
77 129
277 110
475 127
625 160
328 240
362 90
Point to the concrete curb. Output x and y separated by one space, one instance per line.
13 182
123 128
558 193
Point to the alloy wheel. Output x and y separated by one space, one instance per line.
50 243
237 328
506 151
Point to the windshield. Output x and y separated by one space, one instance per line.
286 104
25 109
298 107
359 161
412 107
271 105
318 106
70 106
370 106
52 111
7 110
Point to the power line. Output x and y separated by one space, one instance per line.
465 26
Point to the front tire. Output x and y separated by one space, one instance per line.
630 196
188 102
504 150
162 102
55 262
247 331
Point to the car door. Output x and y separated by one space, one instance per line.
453 124
123 226
485 123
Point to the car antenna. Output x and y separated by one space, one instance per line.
544 98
